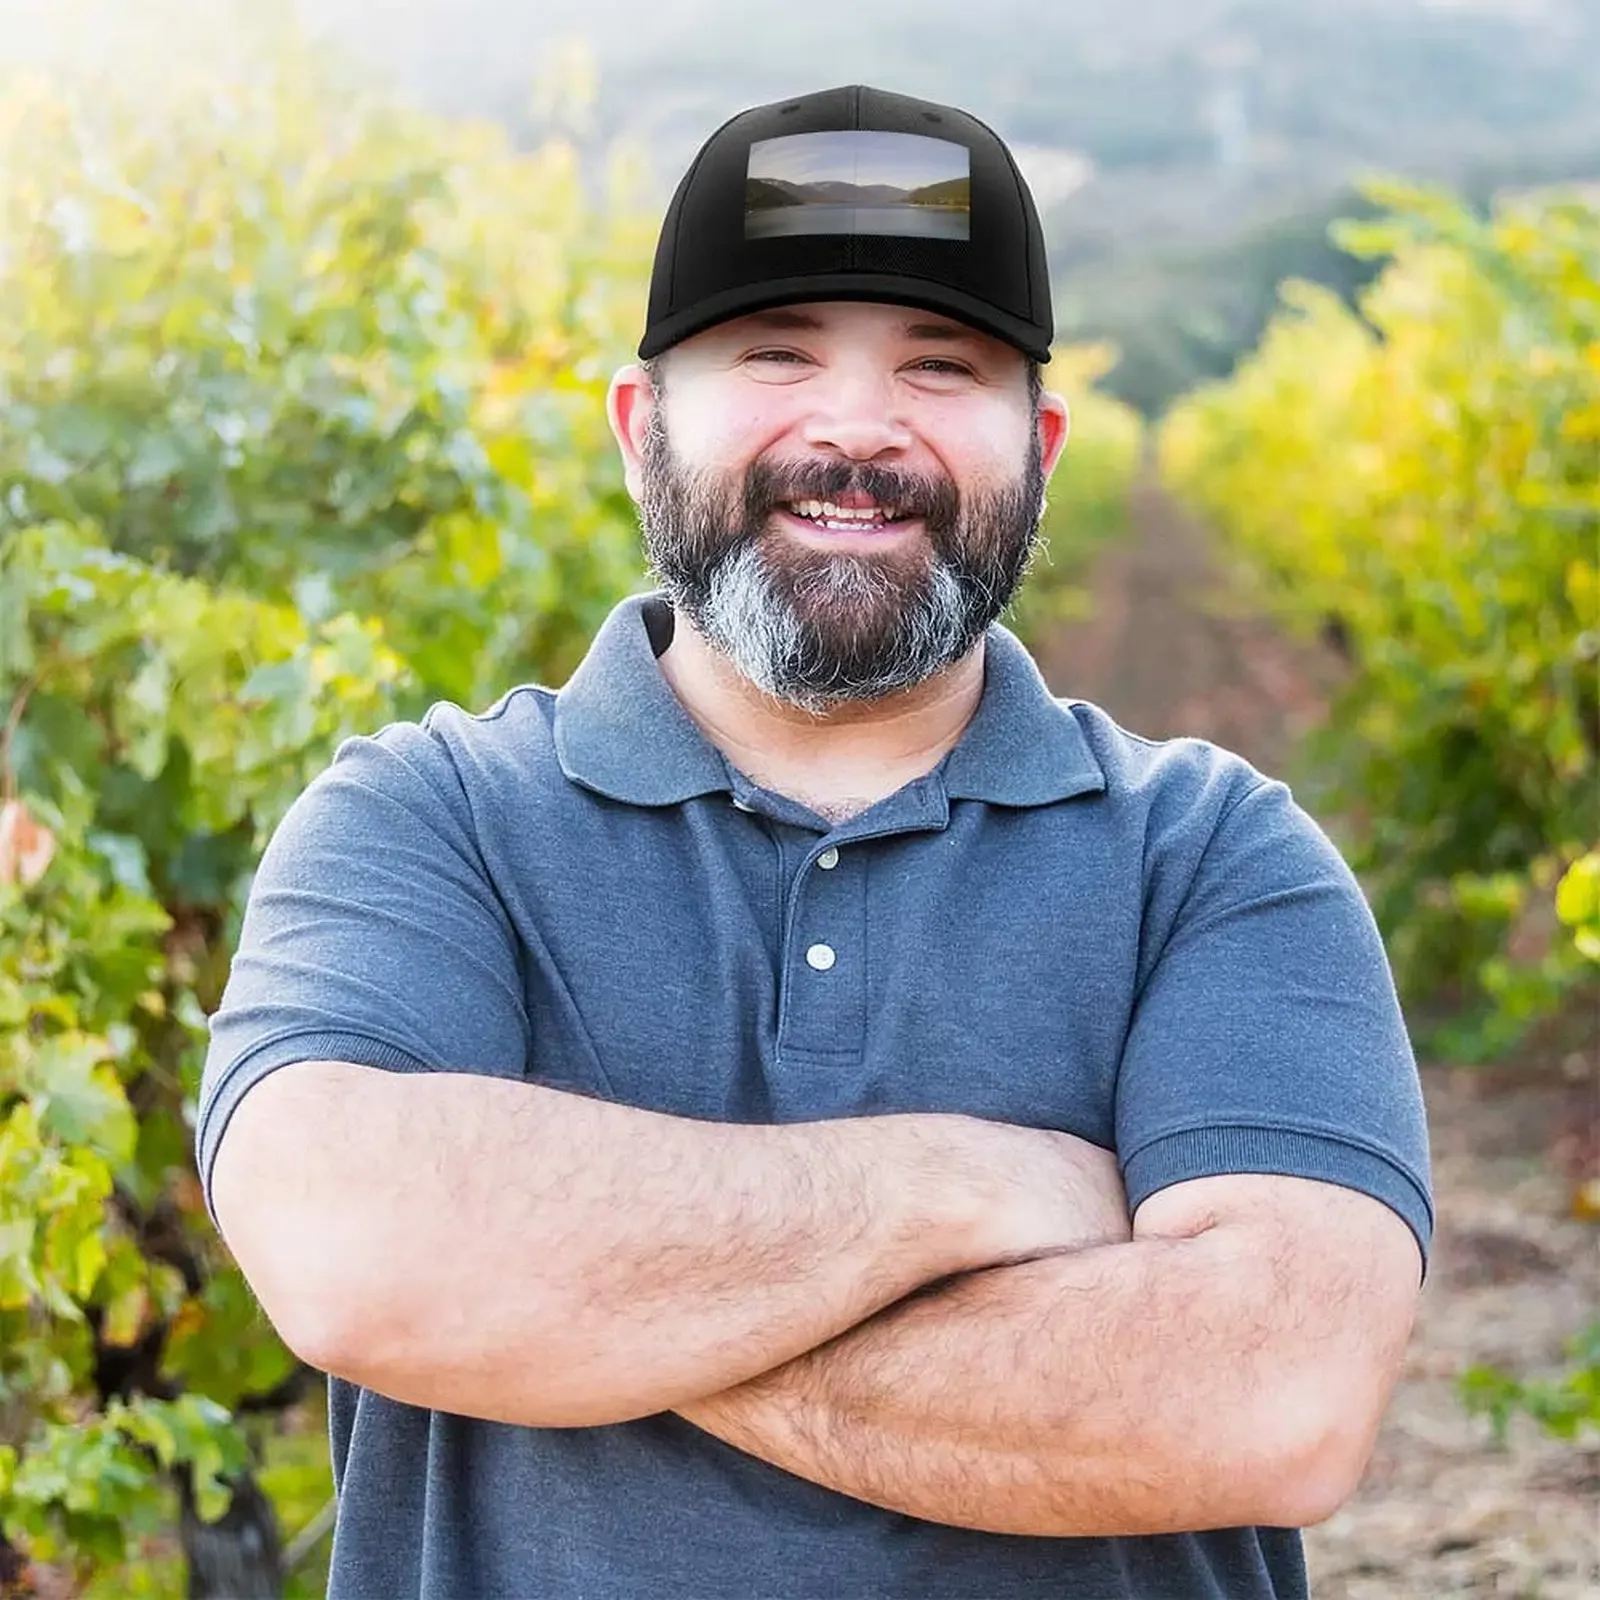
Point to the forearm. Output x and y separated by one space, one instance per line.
502 1250
1084 1395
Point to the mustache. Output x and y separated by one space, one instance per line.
769 483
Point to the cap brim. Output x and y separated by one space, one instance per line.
875 287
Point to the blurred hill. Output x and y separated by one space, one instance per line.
1186 153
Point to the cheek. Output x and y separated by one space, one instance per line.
981 447
732 435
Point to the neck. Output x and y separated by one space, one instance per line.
859 747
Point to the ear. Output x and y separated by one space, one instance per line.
1055 423
629 402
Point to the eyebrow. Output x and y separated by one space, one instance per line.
804 321
943 331
780 318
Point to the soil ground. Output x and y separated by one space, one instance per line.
1443 1511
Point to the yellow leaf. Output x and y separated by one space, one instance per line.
126 1316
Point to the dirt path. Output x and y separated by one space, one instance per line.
1168 649
1442 1512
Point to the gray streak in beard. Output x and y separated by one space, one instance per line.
712 550
767 642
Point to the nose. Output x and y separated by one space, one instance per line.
856 412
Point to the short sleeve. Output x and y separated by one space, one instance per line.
372 934
1268 1036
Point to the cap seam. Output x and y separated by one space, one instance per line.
1024 202
685 189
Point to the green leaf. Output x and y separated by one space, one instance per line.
19 1283
157 457
89 1259
78 1099
126 858
222 1346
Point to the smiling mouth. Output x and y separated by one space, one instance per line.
832 518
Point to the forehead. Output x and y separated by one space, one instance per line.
826 318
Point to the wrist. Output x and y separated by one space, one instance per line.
950 1186
916 1210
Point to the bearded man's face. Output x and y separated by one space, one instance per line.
861 509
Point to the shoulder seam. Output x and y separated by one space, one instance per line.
1067 702
503 704
491 713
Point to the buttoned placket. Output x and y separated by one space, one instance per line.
824 976
824 1009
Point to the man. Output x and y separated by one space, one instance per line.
695 1115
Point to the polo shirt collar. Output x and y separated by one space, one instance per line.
619 728
1022 746
621 731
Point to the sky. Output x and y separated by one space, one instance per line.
906 160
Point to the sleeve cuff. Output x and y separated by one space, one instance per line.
1218 1151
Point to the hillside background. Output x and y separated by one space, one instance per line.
1188 154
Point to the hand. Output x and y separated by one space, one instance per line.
1038 1193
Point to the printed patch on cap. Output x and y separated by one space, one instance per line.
860 181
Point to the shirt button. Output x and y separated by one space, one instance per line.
829 859
820 956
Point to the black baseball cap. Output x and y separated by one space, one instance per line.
852 194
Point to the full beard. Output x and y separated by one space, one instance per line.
817 629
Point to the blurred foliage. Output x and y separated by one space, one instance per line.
301 429
1567 1406
340 354
1087 496
1422 487
1186 313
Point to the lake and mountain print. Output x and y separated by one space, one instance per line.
858 182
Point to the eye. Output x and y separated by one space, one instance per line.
942 367
774 355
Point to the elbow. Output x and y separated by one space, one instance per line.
362 1330
1317 1471
333 1301
314 1319
318 1321
1311 1493
296 1281
309 1256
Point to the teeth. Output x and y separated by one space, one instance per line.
827 511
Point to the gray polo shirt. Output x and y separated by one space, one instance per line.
1148 944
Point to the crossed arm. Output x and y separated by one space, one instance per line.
943 1316
1228 1366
